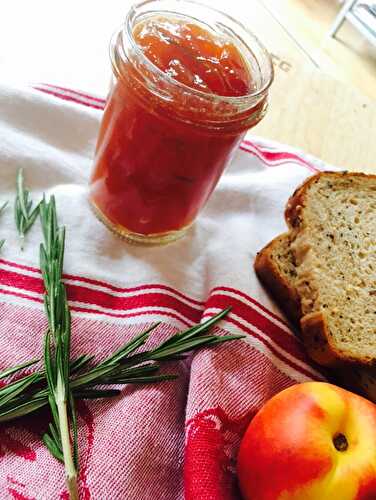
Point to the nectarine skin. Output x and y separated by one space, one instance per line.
312 441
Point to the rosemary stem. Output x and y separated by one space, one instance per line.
70 470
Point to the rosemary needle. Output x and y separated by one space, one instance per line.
2 208
15 369
25 214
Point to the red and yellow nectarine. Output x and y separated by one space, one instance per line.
312 441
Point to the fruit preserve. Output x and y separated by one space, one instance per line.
184 92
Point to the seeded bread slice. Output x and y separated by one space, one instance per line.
332 217
275 267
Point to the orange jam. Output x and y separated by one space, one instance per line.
170 126
194 56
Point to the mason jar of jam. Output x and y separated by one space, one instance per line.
188 82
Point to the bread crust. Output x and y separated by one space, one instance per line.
280 288
296 201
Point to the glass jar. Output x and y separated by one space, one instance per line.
162 145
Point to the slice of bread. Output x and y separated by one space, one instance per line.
332 218
275 267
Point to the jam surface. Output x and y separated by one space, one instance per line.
155 165
194 56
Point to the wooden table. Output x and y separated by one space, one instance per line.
307 109
321 116
313 111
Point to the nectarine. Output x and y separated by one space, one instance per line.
312 441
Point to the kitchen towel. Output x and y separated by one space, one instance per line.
166 441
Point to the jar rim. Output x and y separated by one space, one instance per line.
127 32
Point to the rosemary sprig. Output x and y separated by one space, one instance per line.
57 346
124 366
25 214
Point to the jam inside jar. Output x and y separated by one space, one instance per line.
184 93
